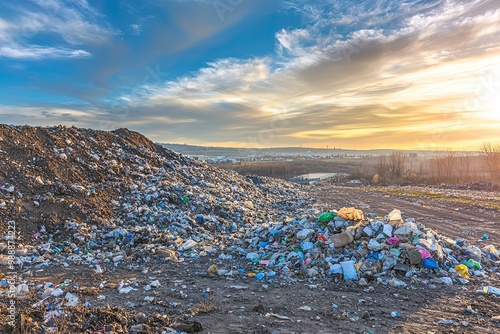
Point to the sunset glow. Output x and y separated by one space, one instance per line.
377 74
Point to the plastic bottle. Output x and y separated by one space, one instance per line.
187 245
259 276
271 274
489 290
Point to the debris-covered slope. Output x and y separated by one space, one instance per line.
50 176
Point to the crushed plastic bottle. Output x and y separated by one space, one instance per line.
259 276
489 290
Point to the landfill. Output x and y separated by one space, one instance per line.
116 201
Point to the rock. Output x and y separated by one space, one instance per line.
164 252
191 327
212 270
259 309
362 282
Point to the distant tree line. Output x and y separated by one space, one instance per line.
449 167
397 167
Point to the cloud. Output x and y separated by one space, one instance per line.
36 52
136 29
48 116
73 22
401 68
220 78
366 73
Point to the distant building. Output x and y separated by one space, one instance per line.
198 157
312 177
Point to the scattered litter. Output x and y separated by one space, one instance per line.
160 206
281 317
489 290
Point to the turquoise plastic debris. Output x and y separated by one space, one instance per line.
471 264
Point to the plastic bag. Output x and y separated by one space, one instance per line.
424 253
349 270
430 263
351 214
392 240
326 217
462 270
473 264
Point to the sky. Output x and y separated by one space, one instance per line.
258 73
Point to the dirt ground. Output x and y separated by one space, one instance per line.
188 296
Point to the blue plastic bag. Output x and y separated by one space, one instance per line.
430 263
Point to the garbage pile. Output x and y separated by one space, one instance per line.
81 196
112 200
342 244
55 180
167 206
115 199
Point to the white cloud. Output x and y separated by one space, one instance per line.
50 116
416 61
3 29
290 40
35 52
220 78
75 22
136 29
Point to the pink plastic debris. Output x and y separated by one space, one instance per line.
424 254
392 240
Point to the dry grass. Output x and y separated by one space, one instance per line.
491 202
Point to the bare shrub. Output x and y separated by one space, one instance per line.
491 158
392 168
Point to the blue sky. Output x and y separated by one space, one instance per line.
255 73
